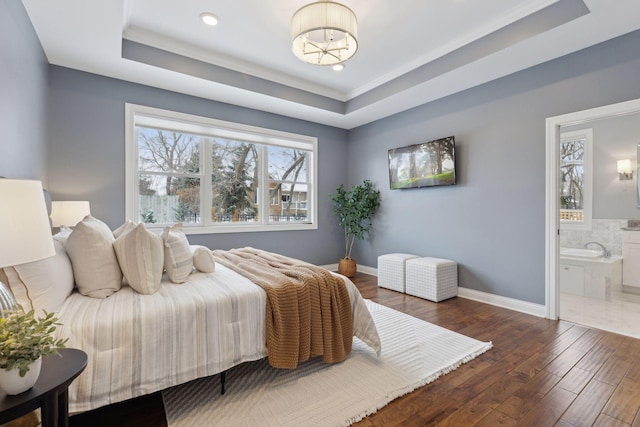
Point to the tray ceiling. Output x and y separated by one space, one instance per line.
410 53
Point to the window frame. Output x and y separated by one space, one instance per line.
587 211
144 116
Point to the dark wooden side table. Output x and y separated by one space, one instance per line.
50 391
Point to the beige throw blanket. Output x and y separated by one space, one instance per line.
308 310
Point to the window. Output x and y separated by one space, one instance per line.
212 175
576 191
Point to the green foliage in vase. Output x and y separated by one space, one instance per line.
354 209
24 338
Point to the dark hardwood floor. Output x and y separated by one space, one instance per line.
539 373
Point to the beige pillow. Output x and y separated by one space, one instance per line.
44 284
95 266
141 257
178 260
203 259
124 228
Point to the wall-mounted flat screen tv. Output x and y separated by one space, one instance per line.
427 164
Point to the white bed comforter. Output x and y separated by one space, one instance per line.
138 344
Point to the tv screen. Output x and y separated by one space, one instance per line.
427 164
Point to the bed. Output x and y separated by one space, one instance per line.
138 344
161 326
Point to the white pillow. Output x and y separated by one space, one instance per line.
95 266
178 260
44 284
124 228
203 259
62 235
141 257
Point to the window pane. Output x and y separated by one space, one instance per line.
288 186
166 151
287 164
572 175
288 202
572 183
169 199
234 180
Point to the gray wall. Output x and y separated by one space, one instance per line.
493 221
87 156
614 139
23 95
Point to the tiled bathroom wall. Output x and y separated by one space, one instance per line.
605 231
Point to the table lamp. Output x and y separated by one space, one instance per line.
25 233
68 214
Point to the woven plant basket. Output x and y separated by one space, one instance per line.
347 267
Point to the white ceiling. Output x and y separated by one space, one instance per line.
409 51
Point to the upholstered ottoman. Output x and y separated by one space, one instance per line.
391 271
434 279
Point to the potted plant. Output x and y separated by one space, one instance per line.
354 209
24 339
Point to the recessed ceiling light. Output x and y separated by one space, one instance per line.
209 18
338 67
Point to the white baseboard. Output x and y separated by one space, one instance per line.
361 268
368 270
330 267
526 307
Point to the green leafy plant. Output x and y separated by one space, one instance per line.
23 339
148 216
354 209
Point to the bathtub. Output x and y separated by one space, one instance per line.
580 253
585 272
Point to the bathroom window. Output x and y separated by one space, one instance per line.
576 172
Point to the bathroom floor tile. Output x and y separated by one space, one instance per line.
621 314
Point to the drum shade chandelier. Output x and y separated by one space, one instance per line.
324 33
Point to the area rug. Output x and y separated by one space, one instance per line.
414 353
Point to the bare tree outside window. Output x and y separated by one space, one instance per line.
572 158
170 179
169 184
288 188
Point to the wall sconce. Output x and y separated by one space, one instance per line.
624 169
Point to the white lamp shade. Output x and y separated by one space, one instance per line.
324 33
25 233
68 213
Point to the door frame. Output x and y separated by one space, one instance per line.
552 189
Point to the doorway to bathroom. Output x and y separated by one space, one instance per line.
589 205
590 279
